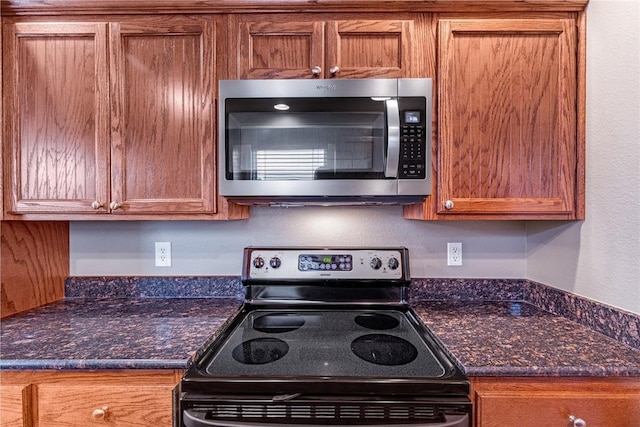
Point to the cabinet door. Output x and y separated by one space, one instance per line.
280 50
97 405
162 75
56 115
15 401
369 49
507 137
535 409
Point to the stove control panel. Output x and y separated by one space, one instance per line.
326 263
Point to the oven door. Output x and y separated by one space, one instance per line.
333 411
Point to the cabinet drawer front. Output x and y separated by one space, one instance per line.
527 409
104 406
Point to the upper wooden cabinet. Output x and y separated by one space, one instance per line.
510 143
303 46
116 116
56 117
162 148
111 117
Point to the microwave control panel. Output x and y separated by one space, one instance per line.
413 139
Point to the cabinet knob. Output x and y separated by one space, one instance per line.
96 205
316 70
448 204
114 205
334 70
577 422
99 414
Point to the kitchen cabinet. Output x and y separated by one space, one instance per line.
510 141
15 402
56 87
34 263
69 399
111 119
562 402
283 46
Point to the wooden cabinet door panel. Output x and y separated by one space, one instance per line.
280 50
57 118
15 402
91 405
369 49
507 135
162 73
535 409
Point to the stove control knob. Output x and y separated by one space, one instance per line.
393 263
275 262
375 263
258 262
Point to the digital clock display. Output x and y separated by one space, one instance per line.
412 117
325 262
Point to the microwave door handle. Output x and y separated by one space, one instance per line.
393 138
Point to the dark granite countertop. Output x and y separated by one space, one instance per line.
507 338
495 338
139 333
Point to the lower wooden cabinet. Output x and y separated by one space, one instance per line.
81 399
561 402
15 403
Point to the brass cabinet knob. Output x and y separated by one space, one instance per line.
114 206
577 422
448 204
316 70
100 414
96 205
334 70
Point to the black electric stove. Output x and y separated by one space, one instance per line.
325 337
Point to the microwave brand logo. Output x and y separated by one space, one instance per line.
325 88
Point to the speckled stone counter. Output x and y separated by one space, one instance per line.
503 338
139 333
491 327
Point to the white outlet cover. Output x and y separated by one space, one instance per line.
454 254
163 254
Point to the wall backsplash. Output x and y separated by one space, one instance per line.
490 249
622 326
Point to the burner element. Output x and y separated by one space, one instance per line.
276 323
384 349
377 321
260 351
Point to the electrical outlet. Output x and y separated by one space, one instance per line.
163 254
454 254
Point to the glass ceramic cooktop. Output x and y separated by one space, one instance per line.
349 343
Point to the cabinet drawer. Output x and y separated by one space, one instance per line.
535 409
14 402
82 406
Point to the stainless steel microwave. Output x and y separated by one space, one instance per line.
350 141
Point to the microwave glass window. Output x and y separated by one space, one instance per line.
305 142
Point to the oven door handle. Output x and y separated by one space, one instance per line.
196 419
393 138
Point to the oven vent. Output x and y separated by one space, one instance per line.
313 413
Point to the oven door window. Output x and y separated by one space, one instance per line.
305 139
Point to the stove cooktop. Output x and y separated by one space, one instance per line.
325 343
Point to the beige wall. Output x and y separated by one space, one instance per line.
600 257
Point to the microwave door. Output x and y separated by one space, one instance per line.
393 138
